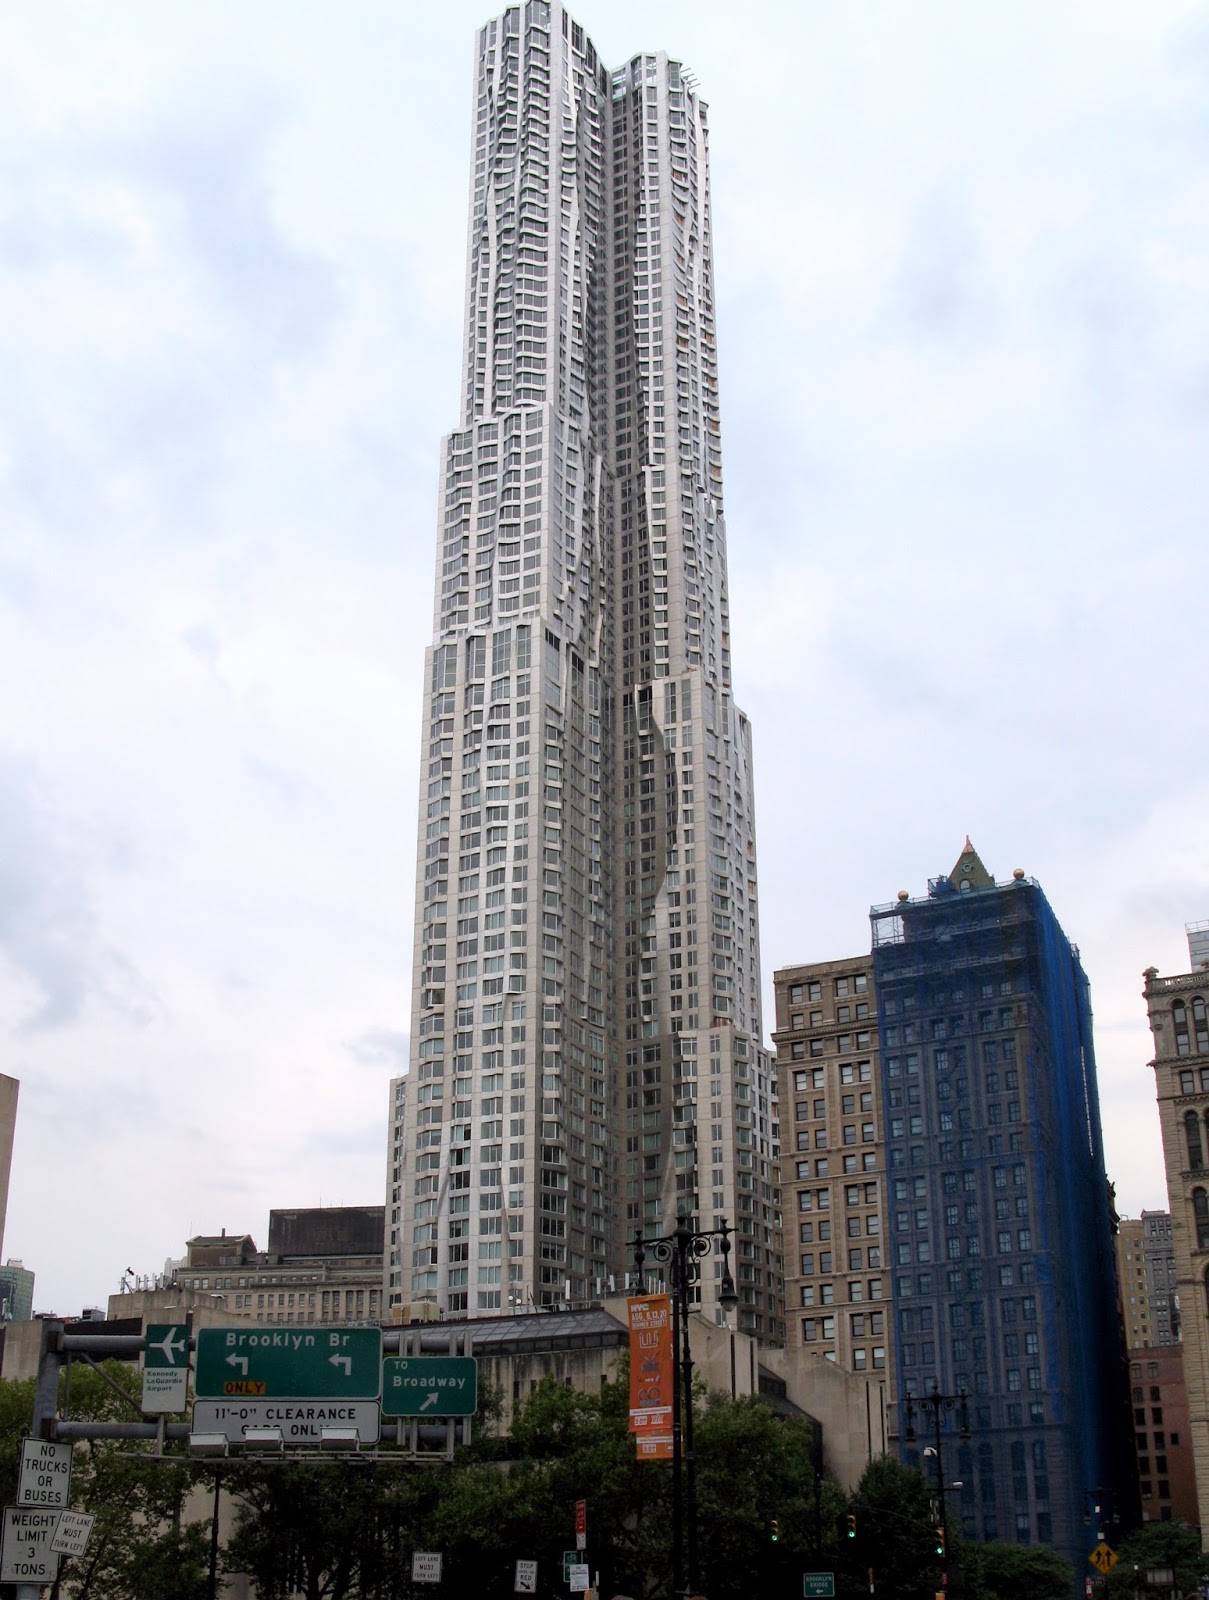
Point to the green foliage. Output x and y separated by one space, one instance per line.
1009 1571
895 1535
16 1409
1160 1544
329 1534
346 1530
141 1544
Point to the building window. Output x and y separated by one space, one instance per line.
1200 1210
1192 1136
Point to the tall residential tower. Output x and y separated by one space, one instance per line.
585 1045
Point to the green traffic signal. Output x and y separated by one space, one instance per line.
851 1526
774 1530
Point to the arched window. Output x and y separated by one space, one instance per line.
1200 1210
1179 1026
1200 1024
1192 1133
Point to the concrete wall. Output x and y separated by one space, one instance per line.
852 1409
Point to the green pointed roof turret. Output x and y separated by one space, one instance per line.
969 872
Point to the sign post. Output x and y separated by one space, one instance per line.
526 1577
300 1421
288 1363
72 1532
578 1577
818 1584
45 1473
430 1386
165 1368
426 1566
27 1557
581 1525
1104 1558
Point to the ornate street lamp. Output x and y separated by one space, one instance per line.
680 1251
939 1404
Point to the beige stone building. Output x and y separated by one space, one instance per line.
837 1281
1178 1009
322 1265
1147 1275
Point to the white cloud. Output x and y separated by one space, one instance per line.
961 256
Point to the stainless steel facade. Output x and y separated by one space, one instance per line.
585 1046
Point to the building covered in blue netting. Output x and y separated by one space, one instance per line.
999 1211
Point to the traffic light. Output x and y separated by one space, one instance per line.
851 1520
940 1542
774 1530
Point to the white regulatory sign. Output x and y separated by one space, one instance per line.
45 1473
426 1566
526 1577
71 1533
27 1556
300 1421
577 1577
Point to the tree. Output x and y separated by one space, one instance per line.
1008 1571
895 1535
1161 1544
141 1543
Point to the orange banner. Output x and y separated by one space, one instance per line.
652 1374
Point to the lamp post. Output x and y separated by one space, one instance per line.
939 1404
680 1251
1100 1502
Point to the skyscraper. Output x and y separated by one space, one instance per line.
1178 1008
837 1277
585 1046
999 1215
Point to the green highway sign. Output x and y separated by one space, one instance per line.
288 1363
821 1584
165 1368
430 1386
166 1345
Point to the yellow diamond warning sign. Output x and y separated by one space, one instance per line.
1103 1557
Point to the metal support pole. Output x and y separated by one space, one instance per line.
679 1251
942 1500
46 1406
212 1590
690 1460
938 1404
677 1455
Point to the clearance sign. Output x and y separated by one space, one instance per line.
652 1375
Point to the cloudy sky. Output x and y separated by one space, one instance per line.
963 263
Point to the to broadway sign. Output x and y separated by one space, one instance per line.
288 1363
430 1386
652 1374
